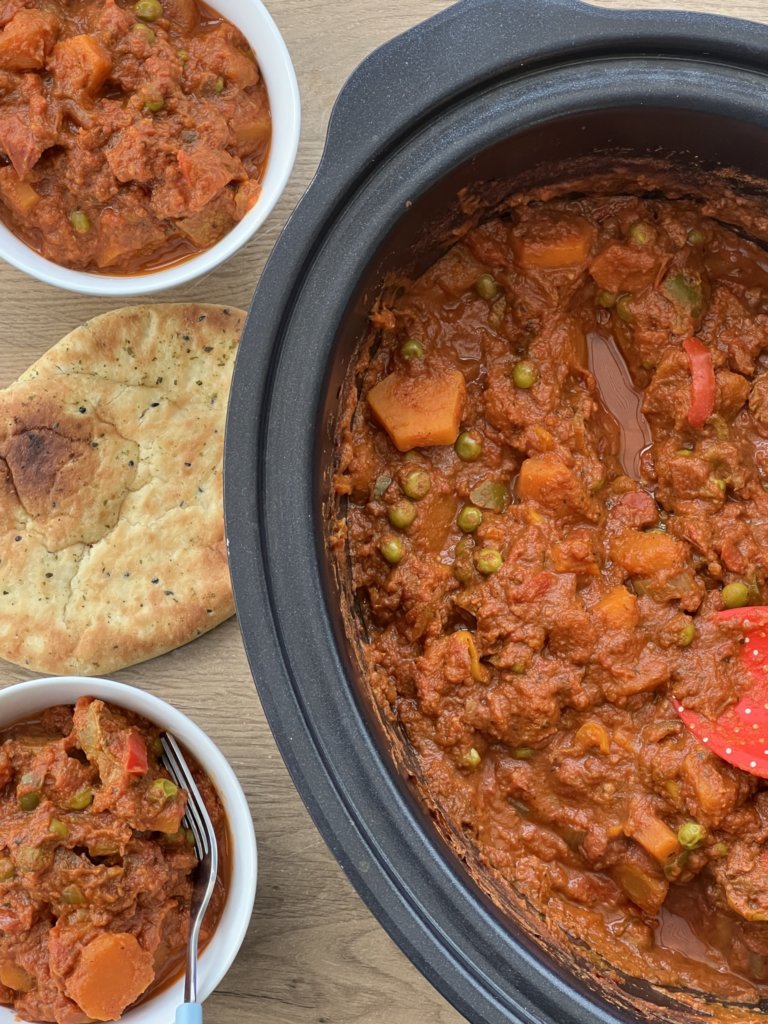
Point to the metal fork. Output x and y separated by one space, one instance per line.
206 849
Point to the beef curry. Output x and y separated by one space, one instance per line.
541 566
95 864
132 135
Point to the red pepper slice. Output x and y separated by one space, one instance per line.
135 759
702 382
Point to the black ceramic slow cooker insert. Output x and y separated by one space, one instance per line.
488 90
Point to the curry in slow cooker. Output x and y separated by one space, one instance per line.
541 559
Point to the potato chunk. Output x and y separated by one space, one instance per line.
18 195
547 480
80 65
27 39
418 412
618 609
643 554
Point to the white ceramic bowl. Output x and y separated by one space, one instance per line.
256 24
25 700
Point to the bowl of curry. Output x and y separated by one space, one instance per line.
141 144
97 866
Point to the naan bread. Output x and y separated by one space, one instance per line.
112 543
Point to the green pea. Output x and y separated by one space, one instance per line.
464 546
80 221
462 565
83 798
58 828
463 571
417 484
684 293
735 595
102 848
489 494
31 858
164 788
472 758
468 446
523 753
412 349
148 10
696 237
674 868
402 514
524 374
381 485
719 850
189 837
720 484
691 835
605 299
183 56
488 561
72 896
29 801
623 310
641 233
7 869
146 31
687 635
487 287
218 85
684 453
154 106
157 747
469 519
392 549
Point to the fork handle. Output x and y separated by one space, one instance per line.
189 1013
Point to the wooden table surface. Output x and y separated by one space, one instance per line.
314 954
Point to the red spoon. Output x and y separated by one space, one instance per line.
740 735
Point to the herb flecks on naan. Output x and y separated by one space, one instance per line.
112 543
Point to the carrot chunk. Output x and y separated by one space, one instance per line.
418 412
112 972
554 245
654 835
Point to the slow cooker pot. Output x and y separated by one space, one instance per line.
489 90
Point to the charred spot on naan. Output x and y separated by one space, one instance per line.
70 472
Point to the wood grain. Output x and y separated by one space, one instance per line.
313 954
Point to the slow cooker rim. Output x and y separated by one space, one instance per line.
238 513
